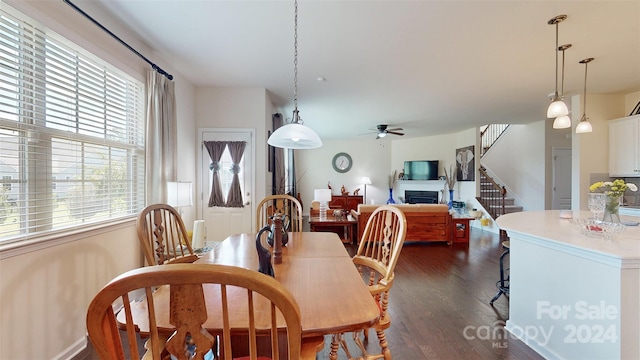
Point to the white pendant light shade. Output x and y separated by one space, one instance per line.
584 126
295 136
556 109
562 122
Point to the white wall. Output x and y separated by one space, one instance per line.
518 160
248 108
437 147
590 151
554 139
370 158
45 289
45 293
630 102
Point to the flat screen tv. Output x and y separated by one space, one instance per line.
421 170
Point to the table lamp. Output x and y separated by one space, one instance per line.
366 181
323 196
179 194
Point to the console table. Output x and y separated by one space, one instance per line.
345 226
345 202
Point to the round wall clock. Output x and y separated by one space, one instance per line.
342 162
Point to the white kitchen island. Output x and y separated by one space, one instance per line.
573 296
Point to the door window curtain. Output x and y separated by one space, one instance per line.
215 150
161 137
278 179
236 150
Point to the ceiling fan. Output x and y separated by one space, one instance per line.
383 131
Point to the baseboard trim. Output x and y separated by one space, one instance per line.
76 351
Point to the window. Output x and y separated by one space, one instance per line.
71 134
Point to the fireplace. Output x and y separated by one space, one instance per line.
420 197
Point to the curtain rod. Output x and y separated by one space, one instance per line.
154 66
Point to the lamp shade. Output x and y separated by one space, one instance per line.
295 136
366 180
562 122
584 126
322 195
179 194
557 108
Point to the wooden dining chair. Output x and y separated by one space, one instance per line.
376 259
282 204
188 339
163 236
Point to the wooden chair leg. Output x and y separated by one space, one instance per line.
384 346
335 345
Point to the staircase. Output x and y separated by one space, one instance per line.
493 196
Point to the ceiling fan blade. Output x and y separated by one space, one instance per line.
395 129
395 133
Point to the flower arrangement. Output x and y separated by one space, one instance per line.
614 188
450 178
393 178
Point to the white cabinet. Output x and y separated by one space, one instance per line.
624 147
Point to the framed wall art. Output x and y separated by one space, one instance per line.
465 159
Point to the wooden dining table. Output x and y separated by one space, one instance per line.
315 268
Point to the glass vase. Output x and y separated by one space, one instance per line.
612 209
391 201
450 199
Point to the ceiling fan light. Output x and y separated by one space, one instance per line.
562 122
381 135
557 108
295 136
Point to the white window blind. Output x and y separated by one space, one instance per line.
71 134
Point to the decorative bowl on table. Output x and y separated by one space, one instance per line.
597 228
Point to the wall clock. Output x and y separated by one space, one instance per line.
342 162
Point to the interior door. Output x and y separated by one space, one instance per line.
561 179
220 222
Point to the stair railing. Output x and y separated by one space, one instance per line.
489 134
493 203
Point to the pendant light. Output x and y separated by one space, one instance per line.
295 135
557 106
562 122
584 126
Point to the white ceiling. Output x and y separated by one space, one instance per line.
430 67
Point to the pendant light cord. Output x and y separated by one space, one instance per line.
295 60
562 86
584 96
556 59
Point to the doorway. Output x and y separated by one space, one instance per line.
220 222
561 198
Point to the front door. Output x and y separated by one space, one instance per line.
220 222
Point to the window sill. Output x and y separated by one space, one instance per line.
21 247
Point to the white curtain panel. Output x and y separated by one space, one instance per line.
161 141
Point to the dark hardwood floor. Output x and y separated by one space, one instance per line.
438 292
